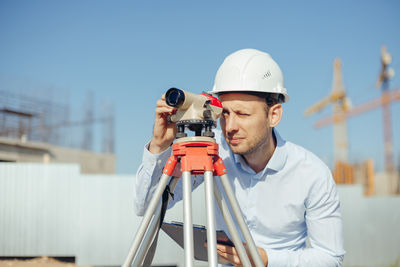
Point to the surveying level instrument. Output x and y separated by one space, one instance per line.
197 155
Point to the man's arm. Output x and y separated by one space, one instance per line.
308 257
324 228
147 177
155 155
163 131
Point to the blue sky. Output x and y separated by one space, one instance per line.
130 52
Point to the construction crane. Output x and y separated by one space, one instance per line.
383 82
341 105
384 101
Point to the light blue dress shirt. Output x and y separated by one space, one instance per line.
293 198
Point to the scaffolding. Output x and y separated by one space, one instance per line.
33 118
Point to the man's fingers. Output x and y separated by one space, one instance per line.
161 103
228 253
226 248
165 110
234 259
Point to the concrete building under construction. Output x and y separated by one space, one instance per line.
36 130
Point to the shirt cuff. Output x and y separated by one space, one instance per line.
156 161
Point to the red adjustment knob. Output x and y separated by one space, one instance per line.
170 165
219 167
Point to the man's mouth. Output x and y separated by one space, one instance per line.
235 140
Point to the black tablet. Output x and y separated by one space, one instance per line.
175 231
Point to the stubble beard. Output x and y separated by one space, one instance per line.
253 148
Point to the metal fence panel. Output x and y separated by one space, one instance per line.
54 210
371 228
36 207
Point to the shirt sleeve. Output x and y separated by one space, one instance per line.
147 177
324 227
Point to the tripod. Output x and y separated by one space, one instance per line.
197 155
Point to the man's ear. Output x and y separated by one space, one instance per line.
275 114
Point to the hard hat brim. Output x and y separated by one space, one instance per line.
218 93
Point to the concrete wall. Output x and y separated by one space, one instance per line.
387 183
89 162
371 228
55 210
15 150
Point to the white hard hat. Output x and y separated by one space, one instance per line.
249 70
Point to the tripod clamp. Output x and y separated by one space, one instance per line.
196 155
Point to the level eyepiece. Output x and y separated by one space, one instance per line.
175 97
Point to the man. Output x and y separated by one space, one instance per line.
285 192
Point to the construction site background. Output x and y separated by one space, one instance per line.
39 129
345 172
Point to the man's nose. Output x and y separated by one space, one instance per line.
231 125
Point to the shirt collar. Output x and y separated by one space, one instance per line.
276 162
278 159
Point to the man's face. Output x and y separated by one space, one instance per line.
245 123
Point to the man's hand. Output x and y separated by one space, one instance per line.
230 254
163 131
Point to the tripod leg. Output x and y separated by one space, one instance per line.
211 229
188 224
149 236
231 227
149 244
146 219
239 218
